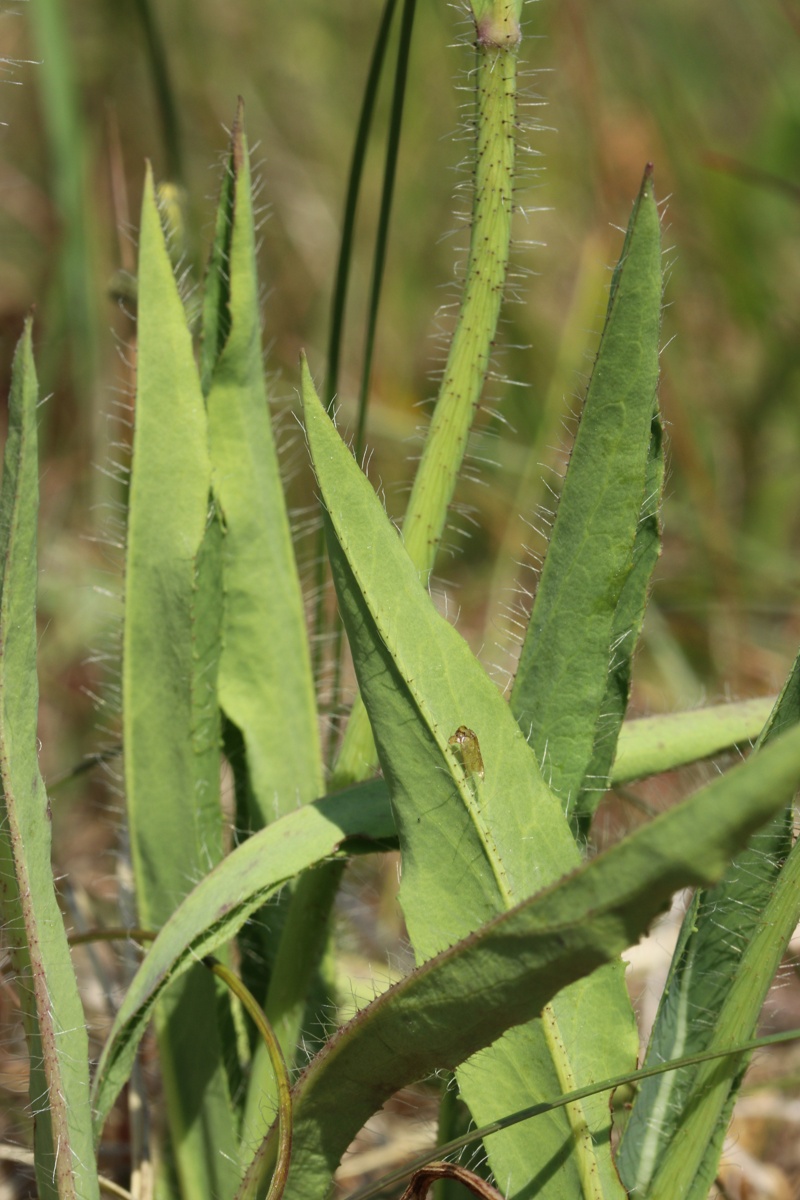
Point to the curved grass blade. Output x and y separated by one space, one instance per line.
171 734
474 842
729 949
384 214
340 287
507 970
342 280
214 912
376 284
589 597
33 929
473 338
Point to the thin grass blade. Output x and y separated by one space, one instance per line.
163 91
495 91
68 146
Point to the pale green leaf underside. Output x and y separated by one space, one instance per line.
650 745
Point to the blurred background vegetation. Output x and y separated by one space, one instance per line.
710 94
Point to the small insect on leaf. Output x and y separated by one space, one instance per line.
469 747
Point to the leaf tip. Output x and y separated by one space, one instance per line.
310 397
237 137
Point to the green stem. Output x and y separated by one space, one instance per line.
473 339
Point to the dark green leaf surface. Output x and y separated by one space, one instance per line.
625 631
586 613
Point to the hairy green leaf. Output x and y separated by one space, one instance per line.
730 946
33 930
510 968
265 685
171 733
214 912
590 597
625 630
476 837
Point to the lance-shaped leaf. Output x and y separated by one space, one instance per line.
265 685
33 931
586 613
474 842
510 968
625 630
730 946
170 712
